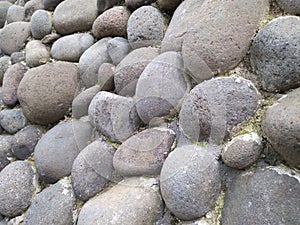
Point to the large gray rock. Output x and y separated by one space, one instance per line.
134 201
253 198
53 206
4 6
118 48
114 116
50 4
91 60
40 24
5 150
71 47
281 125
130 68
290 6
4 64
190 181
56 151
145 27
214 107
16 188
161 87
46 92
13 37
275 52
92 169
15 13
12 120
103 5
72 16
144 153
36 53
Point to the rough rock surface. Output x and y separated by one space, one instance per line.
15 13
12 120
4 64
5 150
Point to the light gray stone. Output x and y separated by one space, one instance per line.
36 53
5 150
15 13
32 6
4 64
106 74
4 6
17 57
118 48
40 24
12 120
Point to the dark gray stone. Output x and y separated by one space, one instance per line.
281 125
106 74
16 188
144 153
215 106
266 196
290 6
15 13
12 120
92 169
103 5
53 206
17 57
169 5
56 151
275 52
40 24
5 150
190 181
4 64
118 48
133 4
50 4
36 53
25 141
134 201
4 6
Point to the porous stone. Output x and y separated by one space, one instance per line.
161 87
106 74
16 188
118 48
290 6
92 169
50 4
190 181
169 5
133 4
5 150
103 5
145 27
40 24
215 106
130 69
11 81
253 198
111 23
13 37
46 92
122 204
114 116
4 64
4 6
281 125
71 47
15 13
36 53
275 52
12 120
72 16
144 153
56 151
32 6
17 57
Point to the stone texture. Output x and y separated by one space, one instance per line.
214 107
103 5
17 57
290 6
118 48
92 169
53 206
242 151
265 196
40 24
130 68
4 6
56 151
13 37
72 16
114 116
36 53
11 81
281 125
4 64
50 4
190 181
106 74
32 6
169 5
50 38
71 47
12 120
161 87
122 204
5 150
144 153
46 92
15 13
16 188
111 23
133 4
275 52
145 27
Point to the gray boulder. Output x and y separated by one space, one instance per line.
40 24
12 120
275 52
118 48
4 64
4 6
103 5
190 181
15 13
36 53
106 74
50 4
291 6
5 150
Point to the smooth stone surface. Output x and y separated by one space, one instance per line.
114 116
290 6
4 64
17 57
56 151
169 5
36 53
253 197
50 4
11 81
215 106
54 205
72 16
4 6
5 150
92 169
122 204
16 188
12 120
145 27
13 37
103 5
275 52
71 47
130 69
118 48
144 153
190 181
106 74
281 126
15 13
242 151
40 24
32 6
161 87
46 92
